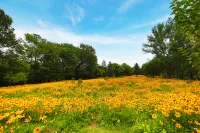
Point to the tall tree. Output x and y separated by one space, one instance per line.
12 68
136 69
187 21
158 41
34 49
110 71
87 64
7 36
69 58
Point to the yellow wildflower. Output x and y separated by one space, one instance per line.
37 130
197 123
162 123
42 117
177 114
178 125
154 116
1 129
197 130
19 112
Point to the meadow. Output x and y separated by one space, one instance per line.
134 104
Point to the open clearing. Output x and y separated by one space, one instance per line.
128 104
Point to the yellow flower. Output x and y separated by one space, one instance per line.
1 129
51 121
162 123
20 116
11 120
29 117
173 120
19 112
178 125
190 122
12 130
1 117
26 120
118 121
197 130
154 116
42 117
6 114
37 130
177 114
166 114
197 123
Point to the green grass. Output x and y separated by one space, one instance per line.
97 130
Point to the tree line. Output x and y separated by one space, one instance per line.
175 45
37 60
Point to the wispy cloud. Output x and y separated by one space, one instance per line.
149 23
42 24
64 36
101 18
59 34
126 5
75 13
100 42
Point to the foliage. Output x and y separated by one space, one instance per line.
187 21
13 70
137 70
153 67
170 47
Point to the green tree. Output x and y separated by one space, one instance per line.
13 70
153 68
110 71
7 36
68 56
126 70
102 69
136 69
187 21
158 41
87 63
117 69
34 54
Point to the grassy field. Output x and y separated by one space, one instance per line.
116 105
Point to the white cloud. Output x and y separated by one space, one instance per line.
42 24
101 18
75 13
100 42
126 5
121 57
154 22
64 36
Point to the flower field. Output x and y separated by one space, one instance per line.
129 104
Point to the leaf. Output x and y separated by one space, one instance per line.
163 131
148 128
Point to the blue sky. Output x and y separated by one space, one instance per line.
115 28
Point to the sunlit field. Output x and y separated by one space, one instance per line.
129 104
